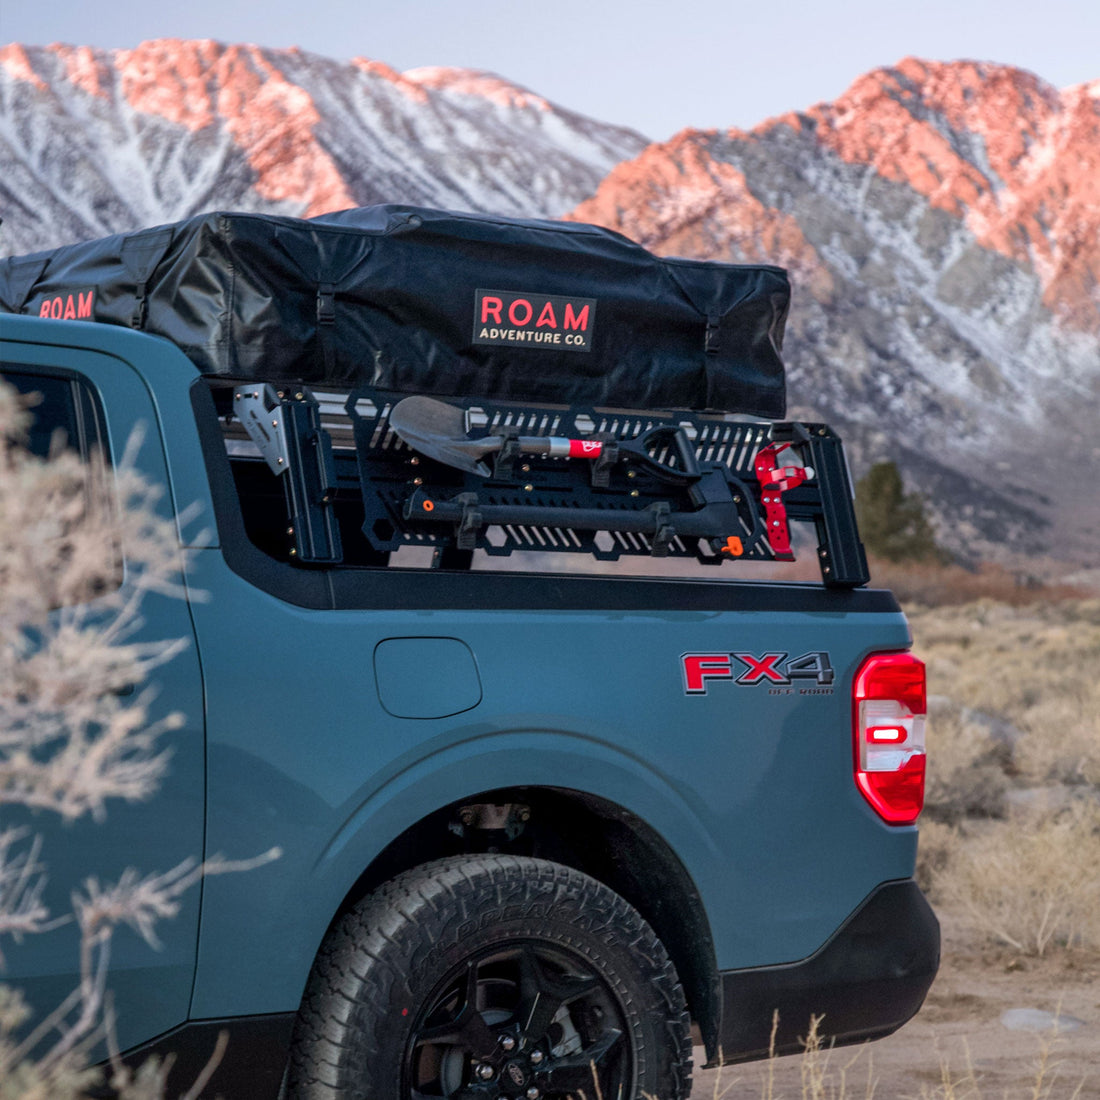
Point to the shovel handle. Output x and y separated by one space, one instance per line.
559 446
635 451
685 472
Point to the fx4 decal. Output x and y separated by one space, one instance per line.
774 669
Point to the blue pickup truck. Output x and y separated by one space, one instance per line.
538 824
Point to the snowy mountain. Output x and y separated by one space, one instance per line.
941 222
95 142
942 226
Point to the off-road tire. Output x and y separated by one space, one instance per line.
405 965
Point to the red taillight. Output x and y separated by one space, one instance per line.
888 710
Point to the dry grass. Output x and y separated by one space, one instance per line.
931 585
829 1074
969 767
1034 667
1012 838
1032 883
825 1073
1047 1084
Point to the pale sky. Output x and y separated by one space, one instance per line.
657 67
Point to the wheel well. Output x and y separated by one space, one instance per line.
591 835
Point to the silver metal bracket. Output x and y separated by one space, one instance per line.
258 407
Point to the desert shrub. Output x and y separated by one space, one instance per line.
967 767
1027 675
71 738
1032 883
938 846
1063 734
1014 734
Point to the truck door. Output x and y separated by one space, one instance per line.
95 400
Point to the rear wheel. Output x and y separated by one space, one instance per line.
492 978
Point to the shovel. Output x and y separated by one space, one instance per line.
439 431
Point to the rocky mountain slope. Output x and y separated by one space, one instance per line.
95 142
942 224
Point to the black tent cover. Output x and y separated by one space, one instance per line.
430 301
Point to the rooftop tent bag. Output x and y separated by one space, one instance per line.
427 301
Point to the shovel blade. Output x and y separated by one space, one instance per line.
438 431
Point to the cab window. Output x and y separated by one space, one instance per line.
63 412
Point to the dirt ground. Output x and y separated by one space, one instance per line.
960 1024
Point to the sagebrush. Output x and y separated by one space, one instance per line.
79 550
